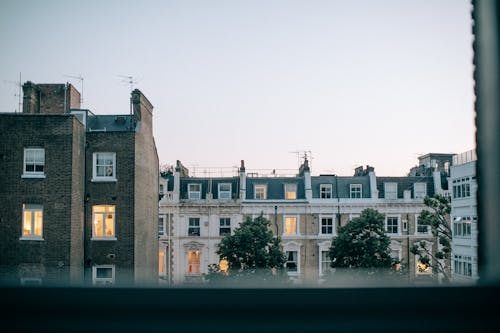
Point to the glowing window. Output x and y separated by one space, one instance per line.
290 225
223 265
32 221
103 222
161 262
193 262
422 268
290 191
260 192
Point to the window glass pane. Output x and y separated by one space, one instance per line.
104 272
110 225
290 225
27 223
98 224
38 223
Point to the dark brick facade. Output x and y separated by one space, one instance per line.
67 192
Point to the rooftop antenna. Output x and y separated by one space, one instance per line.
19 85
303 154
79 78
129 80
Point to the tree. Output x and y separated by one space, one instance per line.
437 220
251 253
362 245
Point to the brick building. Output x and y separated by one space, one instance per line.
79 191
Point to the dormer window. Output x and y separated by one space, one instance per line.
225 191
355 191
260 191
194 191
325 191
419 190
290 191
391 190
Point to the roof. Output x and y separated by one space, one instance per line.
404 183
110 123
275 186
340 185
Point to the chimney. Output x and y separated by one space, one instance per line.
50 98
142 109
243 181
31 98
305 171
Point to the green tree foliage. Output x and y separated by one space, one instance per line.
362 244
437 219
251 253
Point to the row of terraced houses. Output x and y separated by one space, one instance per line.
83 202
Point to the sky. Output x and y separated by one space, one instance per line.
351 83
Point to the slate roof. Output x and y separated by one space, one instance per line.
404 183
110 123
209 182
275 187
343 185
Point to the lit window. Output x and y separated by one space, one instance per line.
103 275
290 191
327 225
419 190
391 190
291 262
422 268
392 225
225 191
260 192
161 262
290 225
194 191
32 222
193 262
223 265
194 226
103 226
325 263
104 167
224 226
34 162
325 191
355 191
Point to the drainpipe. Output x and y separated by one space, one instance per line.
338 201
408 246
276 219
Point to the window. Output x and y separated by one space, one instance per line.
103 226
419 190
161 189
291 225
31 281
420 228
32 222
291 262
194 226
225 191
104 167
223 265
391 190
260 192
193 263
161 262
224 226
391 225
462 265
355 191
290 191
194 191
161 225
325 263
422 268
353 216
34 163
325 191
103 275
327 225
461 188
462 226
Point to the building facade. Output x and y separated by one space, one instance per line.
463 190
304 210
80 192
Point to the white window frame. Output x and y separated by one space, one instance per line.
104 237
96 281
392 191
193 226
33 209
264 193
297 226
30 152
321 262
419 193
161 225
194 195
188 265
353 216
225 226
327 190
398 224
355 189
224 194
97 178
292 247
290 188
428 232
321 217
31 281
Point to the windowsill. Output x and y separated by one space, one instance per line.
31 238
37 176
291 236
326 235
103 180
103 238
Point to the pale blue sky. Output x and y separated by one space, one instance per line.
355 82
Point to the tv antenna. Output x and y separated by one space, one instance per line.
19 94
130 80
80 79
303 155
